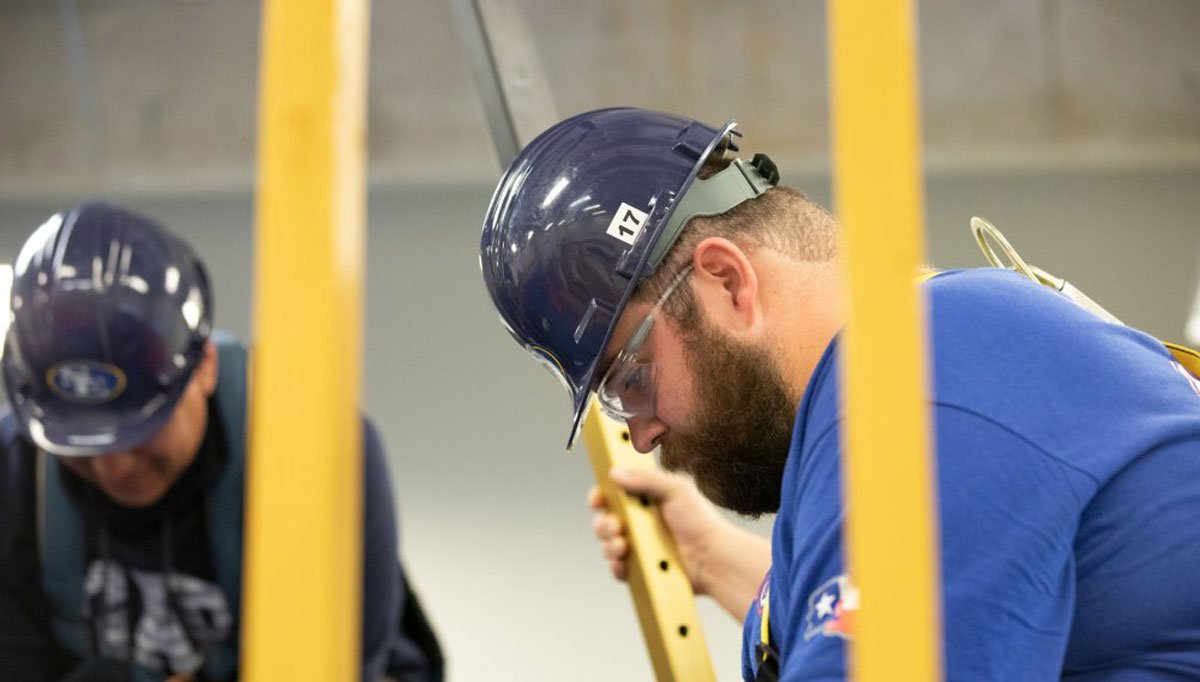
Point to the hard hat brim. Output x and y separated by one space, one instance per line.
83 435
583 397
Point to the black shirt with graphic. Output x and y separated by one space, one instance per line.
150 577
150 592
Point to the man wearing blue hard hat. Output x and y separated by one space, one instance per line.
700 302
122 467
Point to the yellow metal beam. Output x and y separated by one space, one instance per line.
303 561
662 594
891 531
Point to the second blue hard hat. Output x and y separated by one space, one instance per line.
110 315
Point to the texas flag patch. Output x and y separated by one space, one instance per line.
831 609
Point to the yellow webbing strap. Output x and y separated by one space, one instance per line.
764 626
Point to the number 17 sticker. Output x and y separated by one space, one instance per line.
627 223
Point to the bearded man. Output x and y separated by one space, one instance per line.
701 303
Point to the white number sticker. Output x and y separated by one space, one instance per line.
627 223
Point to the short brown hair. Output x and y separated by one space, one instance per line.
782 219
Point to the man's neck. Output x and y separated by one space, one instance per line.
805 306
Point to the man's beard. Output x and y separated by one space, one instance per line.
739 445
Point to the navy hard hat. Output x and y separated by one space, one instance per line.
110 316
584 214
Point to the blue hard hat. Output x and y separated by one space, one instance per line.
110 315
584 214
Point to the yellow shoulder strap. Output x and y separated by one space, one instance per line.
764 624
1189 358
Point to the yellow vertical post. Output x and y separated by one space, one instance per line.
303 563
891 531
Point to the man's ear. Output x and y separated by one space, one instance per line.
206 371
726 284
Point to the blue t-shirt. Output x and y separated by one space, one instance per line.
1068 470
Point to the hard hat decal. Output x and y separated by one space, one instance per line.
86 381
627 223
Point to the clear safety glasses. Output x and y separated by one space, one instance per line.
627 389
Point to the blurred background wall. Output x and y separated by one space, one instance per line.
1073 124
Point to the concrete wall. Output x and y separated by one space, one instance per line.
495 529
159 95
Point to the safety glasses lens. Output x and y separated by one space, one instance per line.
627 390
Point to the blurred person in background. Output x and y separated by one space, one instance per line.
122 466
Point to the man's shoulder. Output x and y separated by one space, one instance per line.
1022 356
998 321
17 479
9 430
374 456
15 454
983 294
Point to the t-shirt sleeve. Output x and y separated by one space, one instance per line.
812 603
1008 515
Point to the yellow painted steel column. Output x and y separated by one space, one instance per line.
304 557
889 481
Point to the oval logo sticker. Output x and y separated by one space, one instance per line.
86 381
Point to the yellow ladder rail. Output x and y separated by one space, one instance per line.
661 591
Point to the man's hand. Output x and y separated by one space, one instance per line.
720 559
691 519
